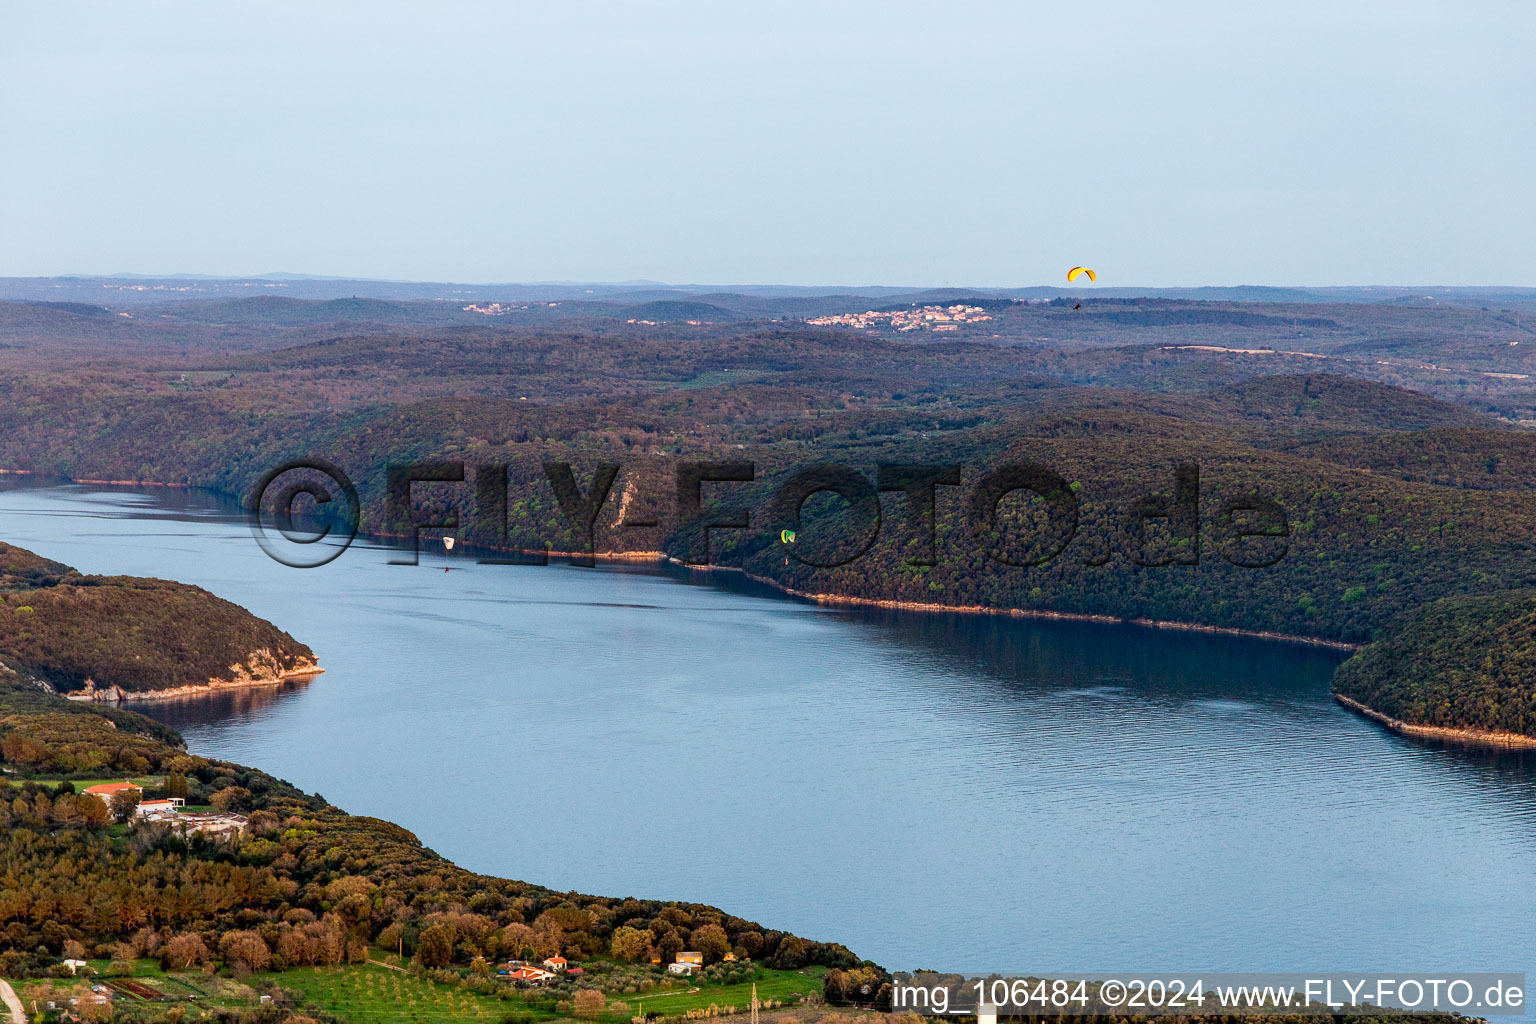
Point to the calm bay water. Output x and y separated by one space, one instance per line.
940 791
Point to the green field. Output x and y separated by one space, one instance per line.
81 785
783 986
368 994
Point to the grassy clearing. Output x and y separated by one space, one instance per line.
369 994
783 986
143 781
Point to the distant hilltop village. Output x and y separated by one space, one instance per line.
931 318
495 308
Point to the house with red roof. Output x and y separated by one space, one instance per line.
108 790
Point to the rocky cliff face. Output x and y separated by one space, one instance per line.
262 668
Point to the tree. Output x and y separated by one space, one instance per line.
791 955
435 947
66 810
751 943
589 1003
712 941
24 749
297 948
245 950
183 953
669 945
124 803
93 812
392 938
175 785
233 798
629 943
94 1008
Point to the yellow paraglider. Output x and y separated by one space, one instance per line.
1077 272
786 536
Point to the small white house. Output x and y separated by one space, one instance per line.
148 808
75 965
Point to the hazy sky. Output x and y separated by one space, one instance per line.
794 143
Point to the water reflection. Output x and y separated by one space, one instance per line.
220 707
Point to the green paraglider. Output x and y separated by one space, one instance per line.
787 536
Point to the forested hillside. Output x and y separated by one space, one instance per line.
73 632
1456 663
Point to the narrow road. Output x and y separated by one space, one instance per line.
12 1003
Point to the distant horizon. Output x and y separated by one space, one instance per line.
282 276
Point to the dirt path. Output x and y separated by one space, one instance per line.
12 1003
380 963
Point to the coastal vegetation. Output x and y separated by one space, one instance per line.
1454 665
111 635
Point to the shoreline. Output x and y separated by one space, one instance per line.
109 483
191 691
930 608
651 557
1471 737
